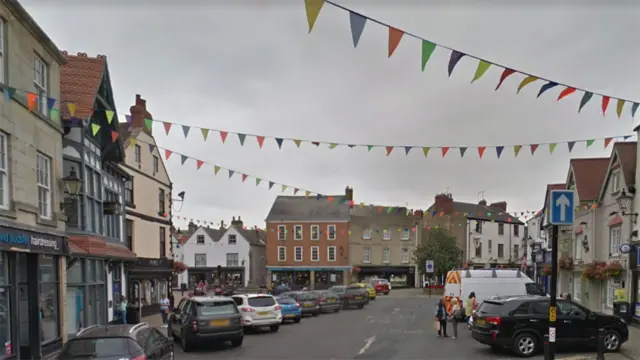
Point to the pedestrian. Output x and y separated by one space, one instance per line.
470 305
123 309
441 317
164 310
456 316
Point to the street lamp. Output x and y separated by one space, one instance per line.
72 183
624 203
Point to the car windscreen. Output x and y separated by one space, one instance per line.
354 290
307 296
490 308
286 301
534 289
338 290
261 301
78 348
216 308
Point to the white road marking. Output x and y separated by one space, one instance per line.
395 311
367 345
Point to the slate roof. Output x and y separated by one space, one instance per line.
627 151
588 176
214 234
479 212
80 80
254 236
549 188
302 208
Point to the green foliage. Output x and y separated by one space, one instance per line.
440 247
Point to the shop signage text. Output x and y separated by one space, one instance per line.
31 241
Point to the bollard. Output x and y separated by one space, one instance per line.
600 345
546 347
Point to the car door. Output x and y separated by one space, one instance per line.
539 319
174 318
573 324
185 317
157 346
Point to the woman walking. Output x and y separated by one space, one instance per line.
164 310
470 305
441 318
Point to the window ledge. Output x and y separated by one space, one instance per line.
8 213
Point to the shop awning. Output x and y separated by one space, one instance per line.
95 246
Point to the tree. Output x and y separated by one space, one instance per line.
440 247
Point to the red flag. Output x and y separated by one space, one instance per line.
167 153
330 198
607 141
167 126
445 150
395 35
32 101
481 151
199 164
244 177
389 150
566 92
605 104
223 136
114 136
505 74
534 147
260 141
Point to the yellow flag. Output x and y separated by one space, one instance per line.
619 107
297 142
333 146
528 80
551 148
109 115
95 128
216 168
284 187
516 150
72 109
313 8
307 193
425 151
132 141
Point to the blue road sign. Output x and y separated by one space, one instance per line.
561 207
429 266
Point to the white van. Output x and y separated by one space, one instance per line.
487 283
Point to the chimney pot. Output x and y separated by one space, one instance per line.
482 202
65 53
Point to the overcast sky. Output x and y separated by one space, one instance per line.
252 67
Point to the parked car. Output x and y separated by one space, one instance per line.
135 342
520 324
351 296
259 310
381 286
290 309
371 292
201 319
328 301
308 301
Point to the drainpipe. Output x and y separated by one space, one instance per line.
415 272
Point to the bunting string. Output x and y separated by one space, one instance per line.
358 21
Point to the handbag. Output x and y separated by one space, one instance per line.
436 325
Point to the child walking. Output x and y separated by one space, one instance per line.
456 316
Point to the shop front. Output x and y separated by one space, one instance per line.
318 278
30 267
149 280
212 276
398 276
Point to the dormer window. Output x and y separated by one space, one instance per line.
232 239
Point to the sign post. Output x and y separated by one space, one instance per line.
561 213
429 268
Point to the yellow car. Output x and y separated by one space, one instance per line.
370 289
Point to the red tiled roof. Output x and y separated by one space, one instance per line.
97 246
80 80
549 188
588 175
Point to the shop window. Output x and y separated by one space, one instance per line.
5 323
48 305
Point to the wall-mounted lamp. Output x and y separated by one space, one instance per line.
625 202
72 184
585 244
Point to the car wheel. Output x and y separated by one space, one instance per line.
612 341
237 342
525 344
297 320
185 345
275 328
337 309
360 306
316 313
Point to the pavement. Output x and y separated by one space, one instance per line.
394 327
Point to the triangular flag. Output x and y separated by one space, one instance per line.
462 151
333 145
271 183
132 141
148 123
216 169
482 68
566 92
295 191
607 141
307 193
114 136
205 133
32 101
51 102
516 150
605 104
590 142
548 86
241 138
279 142
407 149
260 141
453 60
528 80
152 147
499 150
330 198
185 130
634 108
199 164
444 150
585 99
395 35
505 74
167 154
481 150
8 93
94 129
258 180
552 147
357 23
183 159
619 107
312 8
231 172
109 114
297 142
167 126
427 49
369 147
284 188
223 136
389 150
244 177
425 151
72 109
571 144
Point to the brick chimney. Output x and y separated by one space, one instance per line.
138 114
237 223
444 203
192 227
348 193
221 224
500 205
482 202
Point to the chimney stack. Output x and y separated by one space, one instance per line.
221 224
192 227
138 114
348 193
444 203
482 202
237 223
500 205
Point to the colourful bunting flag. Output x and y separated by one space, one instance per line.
462 151
258 180
167 127
534 147
167 154
231 172
357 23
482 68
205 133
94 129
607 141
395 35
199 164
32 101
548 86
566 92
571 144
505 74
585 99
297 142
605 104
183 159
619 107
499 150
114 136
109 114
453 60
516 150
216 169
223 136
425 151
427 50
260 141
185 130
147 122
528 80
279 142
312 7
389 150
444 150
241 138
244 177
72 109
552 147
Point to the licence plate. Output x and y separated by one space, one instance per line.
262 313
308 305
358 298
480 322
331 300
290 316
219 322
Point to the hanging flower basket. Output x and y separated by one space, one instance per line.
546 270
613 269
566 263
179 267
595 270
355 270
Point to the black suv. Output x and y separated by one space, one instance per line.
201 319
521 323
114 342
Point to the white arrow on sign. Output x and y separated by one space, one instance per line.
563 204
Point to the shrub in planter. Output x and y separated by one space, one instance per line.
612 270
595 270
